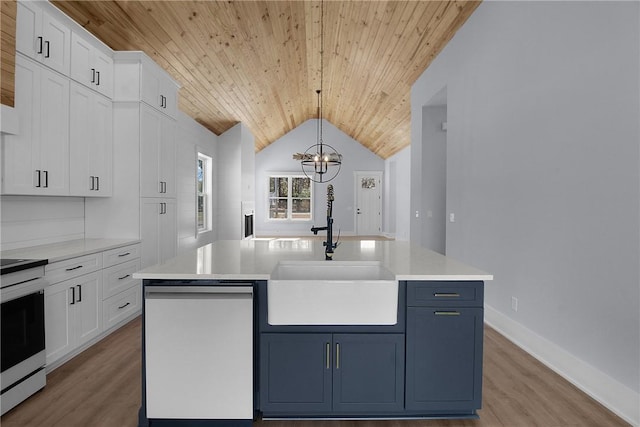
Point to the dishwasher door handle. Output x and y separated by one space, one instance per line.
200 291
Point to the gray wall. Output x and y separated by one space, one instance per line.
543 169
434 178
397 195
277 157
235 179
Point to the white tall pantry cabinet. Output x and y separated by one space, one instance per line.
144 185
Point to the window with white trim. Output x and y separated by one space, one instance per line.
204 184
290 197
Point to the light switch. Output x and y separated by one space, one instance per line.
417 214
452 217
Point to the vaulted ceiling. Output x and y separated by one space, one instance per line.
258 62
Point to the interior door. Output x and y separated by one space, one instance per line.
368 203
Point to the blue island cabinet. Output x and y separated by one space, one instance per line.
331 374
444 347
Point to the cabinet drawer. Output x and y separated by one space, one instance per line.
120 255
120 306
445 294
117 278
74 267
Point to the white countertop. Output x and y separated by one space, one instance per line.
65 250
256 259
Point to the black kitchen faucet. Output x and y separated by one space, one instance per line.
328 244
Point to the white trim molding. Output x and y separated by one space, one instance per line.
614 395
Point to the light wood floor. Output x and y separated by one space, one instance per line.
101 388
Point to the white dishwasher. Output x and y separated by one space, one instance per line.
199 351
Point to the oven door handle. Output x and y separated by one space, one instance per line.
20 290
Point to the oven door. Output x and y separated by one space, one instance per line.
22 330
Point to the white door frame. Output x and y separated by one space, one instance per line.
356 175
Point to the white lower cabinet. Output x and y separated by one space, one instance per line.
85 301
73 314
121 306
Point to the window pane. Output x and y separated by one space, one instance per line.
301 209
278 186
201 215
278 208
301 187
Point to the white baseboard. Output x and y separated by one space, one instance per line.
612 394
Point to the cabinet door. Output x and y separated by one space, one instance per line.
151 87
444 358
53 138
101 147
295 373
28 26
168 229
150 143
167 169
81 51
149 231
59 321
81 182
104 73
368 373
57 43
88 304
19 157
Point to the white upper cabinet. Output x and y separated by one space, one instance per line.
91 66
90 143
40 35
36 159
158 89
138 78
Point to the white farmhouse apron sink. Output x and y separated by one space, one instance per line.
332 293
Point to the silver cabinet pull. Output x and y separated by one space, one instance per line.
79 293
46 43
337 355
38 178
97 183
73 295
446 294
446 313
46 177
92 183
39 45
93 75
328 356
98 75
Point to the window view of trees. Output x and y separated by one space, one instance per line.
290 197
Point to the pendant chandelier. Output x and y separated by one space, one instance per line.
320 162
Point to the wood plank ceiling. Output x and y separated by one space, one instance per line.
258 62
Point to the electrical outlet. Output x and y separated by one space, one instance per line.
514 303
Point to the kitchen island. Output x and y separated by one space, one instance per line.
240 330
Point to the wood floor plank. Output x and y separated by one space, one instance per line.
101 388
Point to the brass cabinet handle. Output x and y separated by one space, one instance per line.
446 294
328 355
